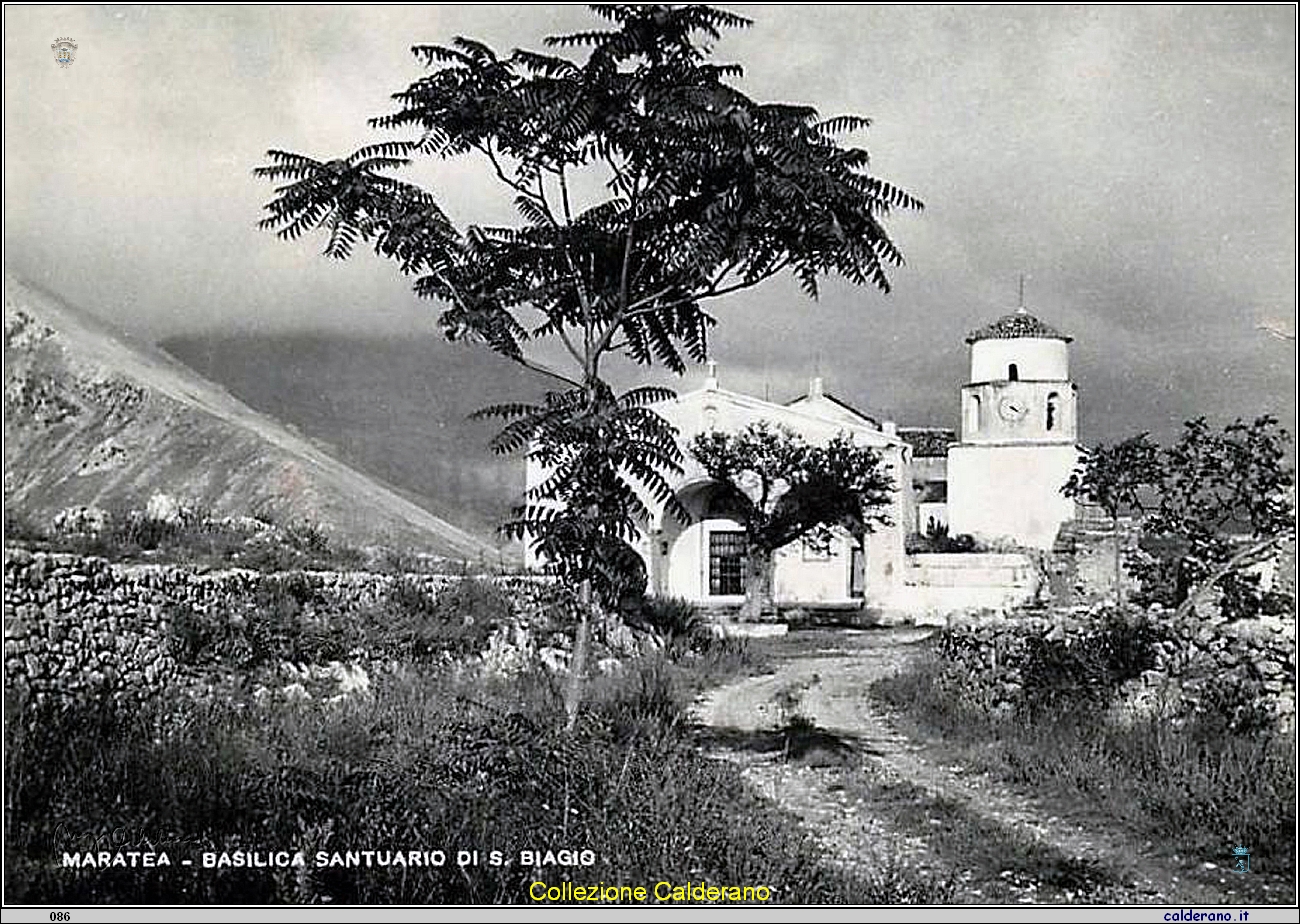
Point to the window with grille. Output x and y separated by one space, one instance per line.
726 563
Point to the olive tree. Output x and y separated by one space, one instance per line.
782 489
1210 505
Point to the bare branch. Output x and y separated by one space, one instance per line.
501 174
568 343
1241 559
544 370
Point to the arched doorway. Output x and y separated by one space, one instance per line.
704 557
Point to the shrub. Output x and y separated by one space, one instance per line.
677 621
186 533
937 539
286 620
458 620
289 618
1086 670
1191 785
430 761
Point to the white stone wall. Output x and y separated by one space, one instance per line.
1034 357
1010 491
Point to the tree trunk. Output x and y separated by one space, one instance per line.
1119 570
758 605
578 663
1241 558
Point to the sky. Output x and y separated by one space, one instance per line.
1136 164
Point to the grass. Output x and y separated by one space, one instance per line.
435 759
290 620
197 537
1191 788
1004 862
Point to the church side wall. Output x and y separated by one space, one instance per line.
804 576
799 575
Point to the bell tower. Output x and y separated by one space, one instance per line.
1019 426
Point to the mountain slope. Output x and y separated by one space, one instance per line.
94 418
396 408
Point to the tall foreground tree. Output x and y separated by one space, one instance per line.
646 186
782 488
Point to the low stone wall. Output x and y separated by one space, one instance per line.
74 629
1245 671
79 627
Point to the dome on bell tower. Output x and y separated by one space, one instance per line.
1017 324
1018 346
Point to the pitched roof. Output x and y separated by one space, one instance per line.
799 414
1019 323
802 399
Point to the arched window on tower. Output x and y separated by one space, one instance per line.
1053 410
1013 372
973 414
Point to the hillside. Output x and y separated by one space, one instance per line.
92 417
396 408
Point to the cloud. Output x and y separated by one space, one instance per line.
1137 163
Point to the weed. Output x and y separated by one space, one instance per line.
1190 786
432 760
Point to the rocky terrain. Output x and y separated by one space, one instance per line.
94 419
396 408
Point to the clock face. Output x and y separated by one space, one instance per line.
1013 410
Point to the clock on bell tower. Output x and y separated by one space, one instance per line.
1018 433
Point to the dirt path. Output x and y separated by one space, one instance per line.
876 799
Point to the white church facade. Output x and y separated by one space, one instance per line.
703 560
999 482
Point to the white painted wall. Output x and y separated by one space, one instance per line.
801 578
1035 358
941 584
992 425
1010 491
797 578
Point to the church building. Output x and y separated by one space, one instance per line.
999 482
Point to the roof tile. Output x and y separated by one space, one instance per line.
1017 324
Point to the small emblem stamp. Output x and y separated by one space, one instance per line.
65 49
1242 856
